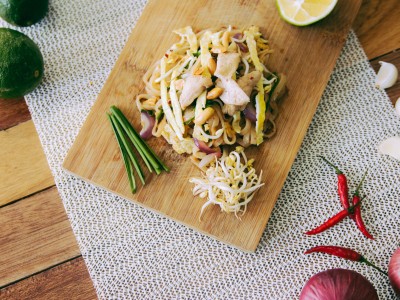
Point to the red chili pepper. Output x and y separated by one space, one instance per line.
342 252
334 220
343 189
359 220
345 253
357 211
330 222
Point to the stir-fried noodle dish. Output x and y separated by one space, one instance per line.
212 88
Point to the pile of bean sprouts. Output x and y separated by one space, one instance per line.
229 182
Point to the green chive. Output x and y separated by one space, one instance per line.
151 163
131 155
147 152
126 136
128 166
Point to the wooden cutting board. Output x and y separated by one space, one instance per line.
306 55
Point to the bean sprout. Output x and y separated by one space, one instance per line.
228 183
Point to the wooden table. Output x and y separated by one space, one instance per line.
40 257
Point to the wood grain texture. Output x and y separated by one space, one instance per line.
71 278
378 26
23 166
67 281
393 58
307 55
13 112
35 235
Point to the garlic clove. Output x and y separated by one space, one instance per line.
391 147
387 75
397 107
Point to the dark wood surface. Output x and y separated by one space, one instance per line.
39 254
69 280
13 112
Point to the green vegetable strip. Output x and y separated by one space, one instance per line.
144 153
150 162
272 91
155 161
128 166
128 149
160 163
131 176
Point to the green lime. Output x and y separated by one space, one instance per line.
23 12
21 64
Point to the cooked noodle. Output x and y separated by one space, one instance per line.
227 62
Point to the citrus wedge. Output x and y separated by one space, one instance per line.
304 12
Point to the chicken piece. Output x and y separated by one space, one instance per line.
247 84
192 88
230 109
232 94
249 81
227 64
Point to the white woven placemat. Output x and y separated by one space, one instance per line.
133 253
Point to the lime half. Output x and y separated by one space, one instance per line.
304 12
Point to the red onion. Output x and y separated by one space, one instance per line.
147 125
394 271
338 284
250 112
238 36
243 47
204 148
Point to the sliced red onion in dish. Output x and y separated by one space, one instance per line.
147 122
204 148
243 47
250 113
338 284
238 37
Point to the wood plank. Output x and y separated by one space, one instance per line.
23 166
35 235
306 55
13 112
70 280
378 26
393 58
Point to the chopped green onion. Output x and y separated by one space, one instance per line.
274 85
127 163
126 136
189 121
128 131
160 115
147 153
128 149
210 103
